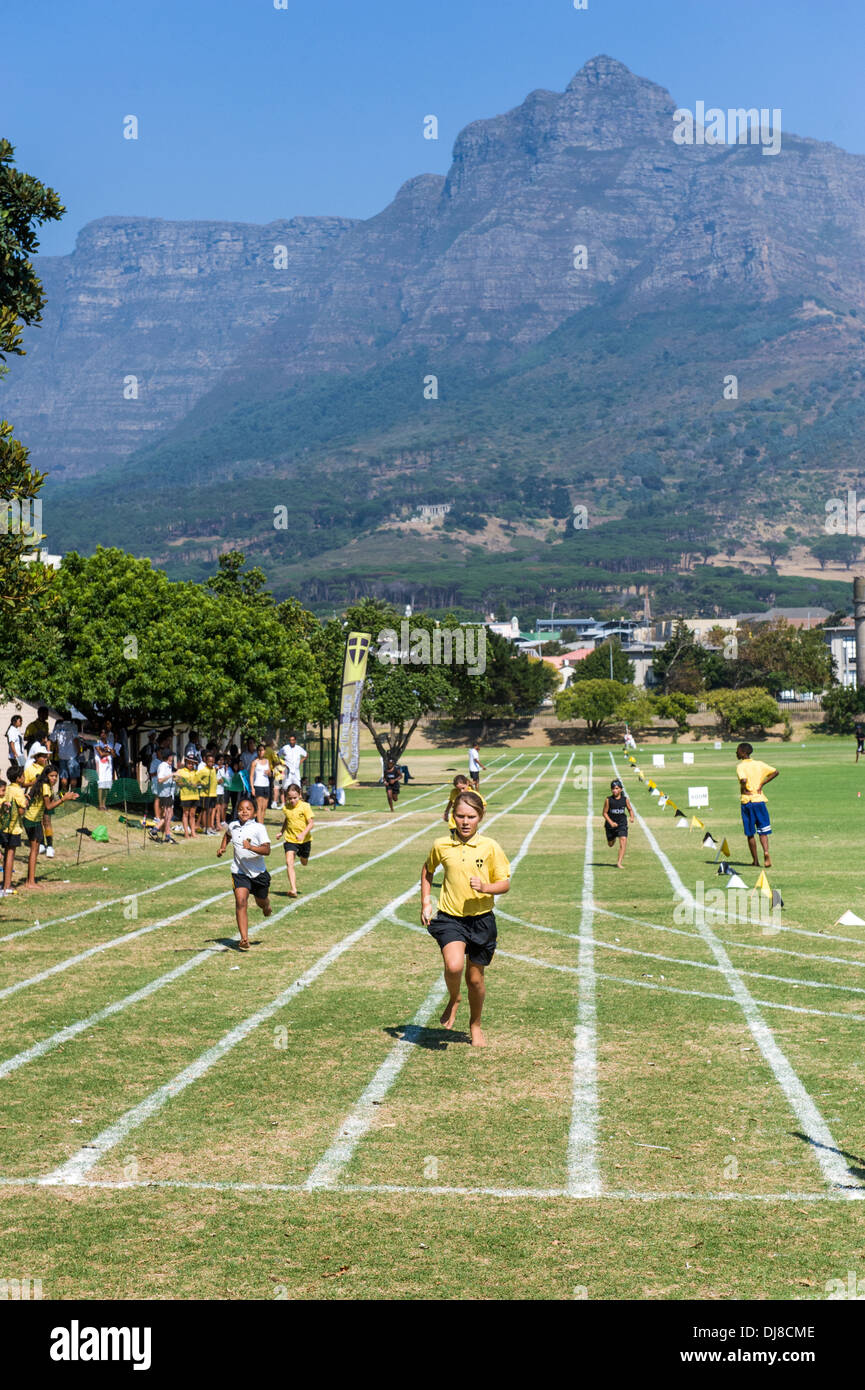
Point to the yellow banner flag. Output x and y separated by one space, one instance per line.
353 676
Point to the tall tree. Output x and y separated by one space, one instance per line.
25 204
596 666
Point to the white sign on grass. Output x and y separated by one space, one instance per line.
698 796
718 743
687 757
657 760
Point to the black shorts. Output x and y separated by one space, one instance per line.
860 745
33 832
302 848
208 802
619 833
165 802
478 933
259 886
392 787
8 840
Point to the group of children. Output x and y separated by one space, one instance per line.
27 798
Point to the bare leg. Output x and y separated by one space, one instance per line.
764 841
752 845
453 955
166 823
477 994
261 807
264 904
8 866
241 898
31 864
289 868
623 845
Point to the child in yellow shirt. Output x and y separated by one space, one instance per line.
297 832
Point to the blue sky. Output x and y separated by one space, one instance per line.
248 113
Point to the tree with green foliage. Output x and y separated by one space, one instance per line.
596 701
636 708
682 663
512 684
676 706
25 584
836 550
750 710
841 708
596 666
126 642
233 581
778 656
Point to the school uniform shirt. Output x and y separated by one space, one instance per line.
167 787
188 782
452 801
479 857
209 781
752 772
297 818
36 810
246 861
12 809
223 775
292 757
16 739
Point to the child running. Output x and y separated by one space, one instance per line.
391 782
248 869
617 812
753 776
476 871
297 832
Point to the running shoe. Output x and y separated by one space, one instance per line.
168 841
49 852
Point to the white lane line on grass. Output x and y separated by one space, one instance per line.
87 1157
437 1190
359 1120
91 1153
326 1172
796 981
826 1151
583 1173
64 1035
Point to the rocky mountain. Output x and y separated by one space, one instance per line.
574 246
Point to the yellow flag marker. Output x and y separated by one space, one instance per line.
650 783
696 824
763 885
725 849
673 807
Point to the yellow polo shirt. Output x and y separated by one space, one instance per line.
479 857
752 773
297 818
189 783
14 802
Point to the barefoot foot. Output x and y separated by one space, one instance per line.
478 1039
450 1013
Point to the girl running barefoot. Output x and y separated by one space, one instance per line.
248 871
297 830
476 871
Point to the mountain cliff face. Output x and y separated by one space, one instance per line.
582 284
480 263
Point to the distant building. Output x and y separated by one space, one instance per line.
434 511
796 617
841 641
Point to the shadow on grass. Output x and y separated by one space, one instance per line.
231 943
856 1166
436 1039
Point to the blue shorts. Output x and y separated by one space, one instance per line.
755 818
70 768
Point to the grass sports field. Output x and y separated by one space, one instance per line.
670 1105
